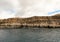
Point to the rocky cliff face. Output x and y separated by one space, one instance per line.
36 21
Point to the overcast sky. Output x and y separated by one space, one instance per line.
28 8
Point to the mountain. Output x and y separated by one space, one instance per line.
57 15
35 21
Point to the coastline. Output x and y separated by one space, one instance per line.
36 21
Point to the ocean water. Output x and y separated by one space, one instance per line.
30 35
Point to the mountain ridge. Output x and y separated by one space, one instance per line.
35 21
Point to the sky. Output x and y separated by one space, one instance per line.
28 8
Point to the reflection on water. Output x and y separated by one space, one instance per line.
30 35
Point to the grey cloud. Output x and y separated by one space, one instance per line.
24 4
30 7
5 5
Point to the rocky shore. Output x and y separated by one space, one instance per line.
35 21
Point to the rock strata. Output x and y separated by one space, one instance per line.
36 21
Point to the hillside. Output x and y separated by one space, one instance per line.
36 21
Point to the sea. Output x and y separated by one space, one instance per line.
30 35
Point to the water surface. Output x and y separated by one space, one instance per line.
30 35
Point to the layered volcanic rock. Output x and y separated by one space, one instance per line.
36 21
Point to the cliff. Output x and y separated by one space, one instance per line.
36 21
